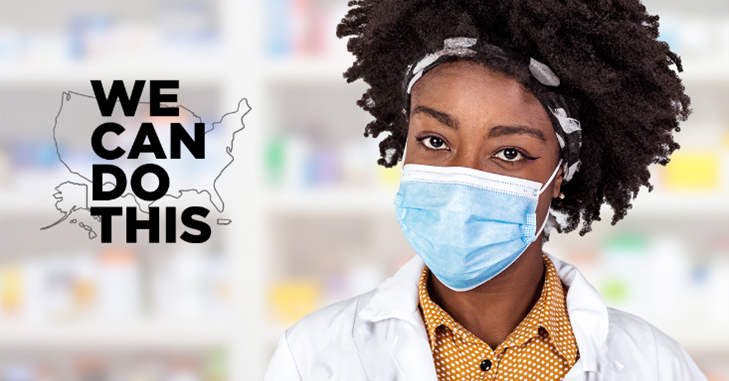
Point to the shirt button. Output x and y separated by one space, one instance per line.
486 365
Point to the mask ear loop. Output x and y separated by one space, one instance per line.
542 227
404 152
554 174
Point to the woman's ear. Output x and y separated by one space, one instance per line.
556 190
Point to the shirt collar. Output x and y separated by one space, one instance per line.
425 304
439 316
547 312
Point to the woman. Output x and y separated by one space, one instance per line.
505 114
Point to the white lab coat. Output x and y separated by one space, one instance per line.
380 335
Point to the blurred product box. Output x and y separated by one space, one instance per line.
119 366
11 289
292 300
190 285
112 286
119 284
303 28
696 171
297 163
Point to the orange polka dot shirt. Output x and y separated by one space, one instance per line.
542 347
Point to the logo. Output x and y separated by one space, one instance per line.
132 165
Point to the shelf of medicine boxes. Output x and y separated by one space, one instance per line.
327 68
323 68
331 69
14 202
319 69
145 333
331 200
379 200
368 200
703 71
35 73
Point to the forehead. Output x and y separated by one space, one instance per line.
469 90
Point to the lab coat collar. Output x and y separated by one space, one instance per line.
397 298
588 316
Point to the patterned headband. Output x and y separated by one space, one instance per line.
561 109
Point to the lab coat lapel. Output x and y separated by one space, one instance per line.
412 353
589 319
390 334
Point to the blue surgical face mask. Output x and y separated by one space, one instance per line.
467 225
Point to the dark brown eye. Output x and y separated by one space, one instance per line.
509 154
434 142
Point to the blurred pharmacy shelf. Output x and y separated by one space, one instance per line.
15 202
701 340
676 205
646 205
704 72
333 200
302 70
71 72
135 334
53 66
72 364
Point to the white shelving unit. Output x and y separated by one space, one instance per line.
347 201
71 72
308 70
143 333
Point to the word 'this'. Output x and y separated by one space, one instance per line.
146 141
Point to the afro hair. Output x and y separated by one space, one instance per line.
605 52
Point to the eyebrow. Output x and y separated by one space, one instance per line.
516 130
496 131
440 116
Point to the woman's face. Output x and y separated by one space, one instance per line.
464 114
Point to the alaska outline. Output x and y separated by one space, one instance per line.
74 208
